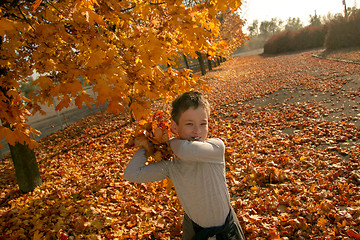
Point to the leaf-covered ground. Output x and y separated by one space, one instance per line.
351 54
291 127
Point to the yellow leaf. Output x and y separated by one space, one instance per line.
322 222
157 156
274 235
44 82
6 25
32 143
83 98
36 4
138 110
9 135
64 103
168 184
93 17
37 235
115 107
96 58
158 133
143 122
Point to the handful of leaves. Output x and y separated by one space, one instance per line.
152 134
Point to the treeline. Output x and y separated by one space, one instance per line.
288 41
340 32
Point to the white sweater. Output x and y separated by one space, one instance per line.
198 175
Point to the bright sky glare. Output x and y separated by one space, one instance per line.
283 9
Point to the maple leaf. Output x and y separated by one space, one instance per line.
83 98
6 25
353 234
38 235
65 101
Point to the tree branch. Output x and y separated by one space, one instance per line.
156 3
25 18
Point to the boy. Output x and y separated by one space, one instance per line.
197 172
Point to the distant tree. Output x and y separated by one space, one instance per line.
293 24
268 28
345 9
254 28
259 34
331 17
315 20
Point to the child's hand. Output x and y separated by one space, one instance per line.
149 150
141 141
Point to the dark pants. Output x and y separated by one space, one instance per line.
231 230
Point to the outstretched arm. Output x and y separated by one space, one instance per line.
210 151
137 171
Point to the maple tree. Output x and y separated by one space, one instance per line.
117 47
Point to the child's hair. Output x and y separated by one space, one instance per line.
186 100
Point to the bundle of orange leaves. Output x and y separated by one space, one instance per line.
152 134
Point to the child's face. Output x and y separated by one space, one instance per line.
193 124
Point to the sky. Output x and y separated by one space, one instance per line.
283 9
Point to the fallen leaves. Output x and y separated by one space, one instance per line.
83 194
292 162
292 152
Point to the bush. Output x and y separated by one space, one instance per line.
280 42
344 33
339 33
288 41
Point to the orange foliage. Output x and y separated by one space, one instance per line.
116 47
153 134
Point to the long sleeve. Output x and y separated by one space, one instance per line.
210 151
137 171
198 174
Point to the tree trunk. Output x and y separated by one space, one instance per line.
201 62
214 62
186 61
345 10
26 167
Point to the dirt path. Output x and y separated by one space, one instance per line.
340 104
249 53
